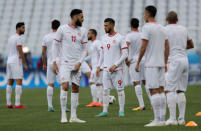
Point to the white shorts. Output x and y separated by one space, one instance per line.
95 79
113 80
155 77
177 75
51 76
136 76
14 71
67 75
85 67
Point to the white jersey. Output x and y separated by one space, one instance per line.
13 54
134 38
112 48
155 34
48 42
177 37
94 53
73 42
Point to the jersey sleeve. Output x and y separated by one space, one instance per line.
128 39
44 42
188 37
123 44
59 35
145 33
19 42
84 38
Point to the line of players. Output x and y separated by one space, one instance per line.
66 52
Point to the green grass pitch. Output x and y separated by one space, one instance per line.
37 118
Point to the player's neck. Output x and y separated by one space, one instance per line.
111 33
151 20
135 29
93 39
73 24
170 23
54 30
17 32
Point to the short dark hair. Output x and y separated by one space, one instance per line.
93 31
152 10
75 12
172 17
134 23
55 24
19 24
110 20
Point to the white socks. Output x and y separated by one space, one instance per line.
8 94
74 104
155 100
148 93
181 100
171 102
138 91
106 93
94 92
162 107
100 93
63 102
49 96
121 97
18 92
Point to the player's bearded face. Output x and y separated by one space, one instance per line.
89 36
107 27
80 19
22 30
146 14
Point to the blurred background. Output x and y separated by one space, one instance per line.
38 14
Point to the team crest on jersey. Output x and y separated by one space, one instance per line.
79 34
114 41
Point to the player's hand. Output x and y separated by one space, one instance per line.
44 67
112 69
77 67
128 62
166 69
137 68
25 67
97 71
89 63
55 68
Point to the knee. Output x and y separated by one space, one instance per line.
75 88
65 86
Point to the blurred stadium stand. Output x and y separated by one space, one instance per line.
37 14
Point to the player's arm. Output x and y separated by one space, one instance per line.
142 51
124 55
44 49
100 61
167 50
127 60
190 44
56 48
83 52
22 57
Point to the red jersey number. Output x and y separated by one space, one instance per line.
108 46
73 38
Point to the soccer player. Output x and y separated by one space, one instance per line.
133 40
47 49
114 52
73 39
155 43
177 74
95 82
14 67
